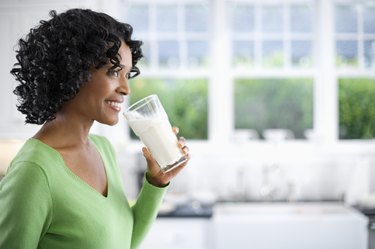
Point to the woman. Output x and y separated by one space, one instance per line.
63 189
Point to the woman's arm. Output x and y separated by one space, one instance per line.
25 206
146 208
145 211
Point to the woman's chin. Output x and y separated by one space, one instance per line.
110 122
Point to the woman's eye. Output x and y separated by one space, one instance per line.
114 73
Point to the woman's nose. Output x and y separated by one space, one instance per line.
124 87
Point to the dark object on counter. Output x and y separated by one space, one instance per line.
370 213
371 233
192 209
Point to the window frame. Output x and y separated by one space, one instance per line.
323 72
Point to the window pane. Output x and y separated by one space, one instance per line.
356 117
243 53
274 104
272 54
145 61
272 19
301 53
370 53
197 53
185 101
166 18
168 54
347 54
346 19
369 20
242 18
196 18
138 17
301 19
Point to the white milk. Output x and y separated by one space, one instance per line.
157 135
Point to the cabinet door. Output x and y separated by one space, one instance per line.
177 234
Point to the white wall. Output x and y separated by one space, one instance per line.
16 19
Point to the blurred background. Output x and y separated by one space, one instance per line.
277 102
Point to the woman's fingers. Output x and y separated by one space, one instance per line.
150 160
181 144
158 177
181 141
176 170
146 153
176 130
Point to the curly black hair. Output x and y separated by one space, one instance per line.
55 58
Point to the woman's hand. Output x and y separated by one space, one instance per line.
154 174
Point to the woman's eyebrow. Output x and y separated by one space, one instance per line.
122 66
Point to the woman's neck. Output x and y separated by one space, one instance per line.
64 133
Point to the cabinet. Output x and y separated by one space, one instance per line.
178 233
288 226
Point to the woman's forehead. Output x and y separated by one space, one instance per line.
125 55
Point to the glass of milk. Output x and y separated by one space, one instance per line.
150 123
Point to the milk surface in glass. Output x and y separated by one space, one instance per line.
153 128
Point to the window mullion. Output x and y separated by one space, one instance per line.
220 87
325 87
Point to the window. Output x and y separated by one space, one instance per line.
172 92
355 52
263 104
300 66
357 117
176 42
268 37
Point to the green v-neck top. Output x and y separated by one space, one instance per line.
44 205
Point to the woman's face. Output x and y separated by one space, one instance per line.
101 97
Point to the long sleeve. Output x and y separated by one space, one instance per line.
25 206
145 211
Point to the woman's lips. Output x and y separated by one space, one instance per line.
115 105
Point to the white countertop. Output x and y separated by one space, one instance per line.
295 211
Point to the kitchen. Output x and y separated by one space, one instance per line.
248 184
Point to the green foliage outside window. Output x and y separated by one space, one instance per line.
276 59
342 61
274 104
356 108
185 101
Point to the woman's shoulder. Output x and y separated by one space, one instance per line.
34 161
35 152
29 166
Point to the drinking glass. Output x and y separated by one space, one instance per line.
149 121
